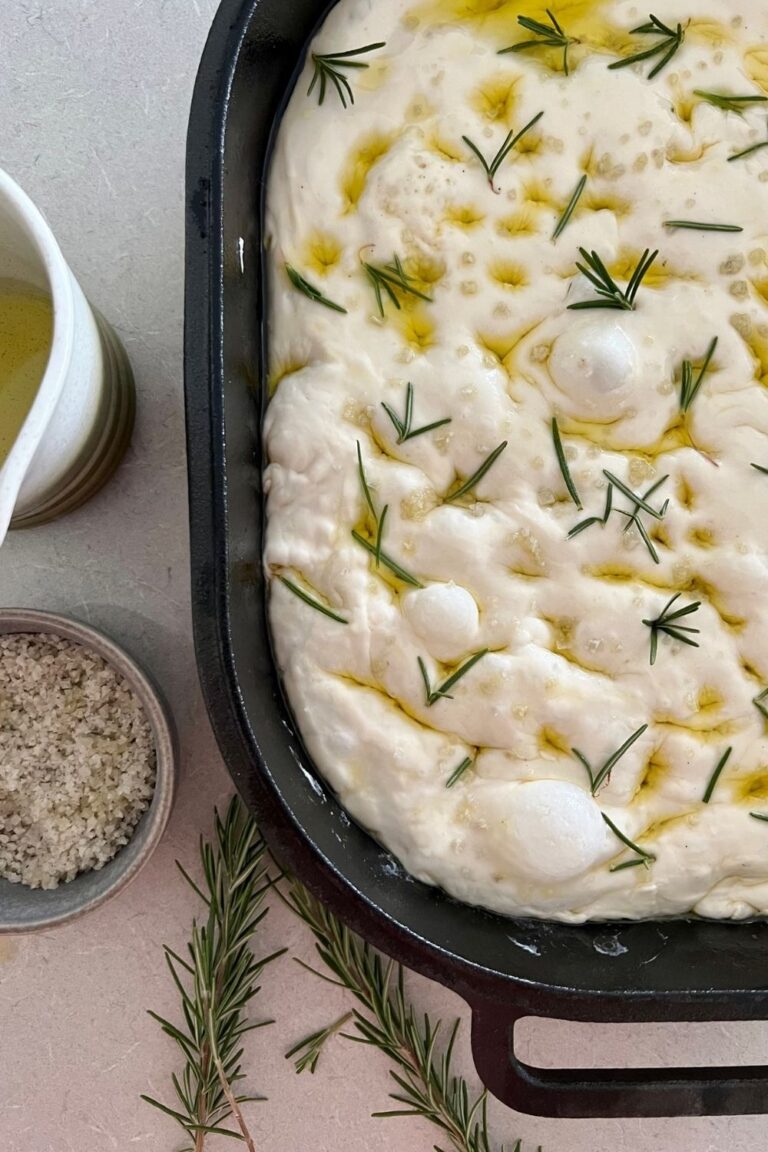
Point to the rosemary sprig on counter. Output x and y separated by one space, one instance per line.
563 464
543 36
328 67
598 778
748 151
309 290
492 167
690 384
671 39
570 208
309 1050
727 102
702 226
477 476
458 772
403 427
643 856
313 603
443 691
760 704
716 775
608 291
667 623
217 982
389 279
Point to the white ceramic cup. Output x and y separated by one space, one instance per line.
81 419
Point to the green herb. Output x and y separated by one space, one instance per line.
666 622
329 67
477 476
387 561
645 857
309 1050
759 703
590 520
403 427
639 501
608 291
457 773
748 151
379 520
636 862
569 208
309 290
689 386
645 497
390 279
760 468
218 981
716 775
702 226
597 779
727 102
564 469
442 692
665 48
492 168
759 816
543 36
313 603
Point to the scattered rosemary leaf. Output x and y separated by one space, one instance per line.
666 622
569 208
759 816
329 66
608 291
760 468
748 151
543 36
666 48
364 483
309 290
703 226
759 703
492 167
716 775
639 501
477 476
564 469
403 427
689 386
387 561
602 520
457 773
313 603
728 102
311 1047
442 692
646 857
390 279
597 779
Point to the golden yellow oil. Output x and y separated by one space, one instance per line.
26 332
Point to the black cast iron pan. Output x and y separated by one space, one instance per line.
506 969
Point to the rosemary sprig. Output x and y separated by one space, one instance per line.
477 476
716 775
329 66
426 1083
702 226
443 691
403 427
543 36
690 385
218 981
457 773
563 463
387 561
759 703
309 1050
570 208
313 603
666 622
760 468
492 167
597 779
389 279
644 857
608 291
309 290
727 102
748 151
671 39
590 520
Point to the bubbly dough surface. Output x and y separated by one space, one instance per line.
557 623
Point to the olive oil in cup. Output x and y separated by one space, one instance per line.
26 333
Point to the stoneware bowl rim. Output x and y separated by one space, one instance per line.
91 889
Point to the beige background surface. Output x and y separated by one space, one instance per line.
93 105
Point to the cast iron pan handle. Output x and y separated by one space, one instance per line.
585 1093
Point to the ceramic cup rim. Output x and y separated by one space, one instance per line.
20 620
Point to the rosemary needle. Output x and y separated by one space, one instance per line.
543 36
702 226
387 561
759 816
442 692
597 779
565 470
492 167
759 468
403 427
716 775
389 279
646 857
609 295
671 40
667 622
309 290
590 520
569 208
728 102
748 151
309 1050
690 385
459 772
477 476
759 703
639 501
328 67
302 595
364 483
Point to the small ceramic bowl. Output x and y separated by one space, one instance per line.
24 909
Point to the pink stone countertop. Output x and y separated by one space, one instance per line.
93 104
